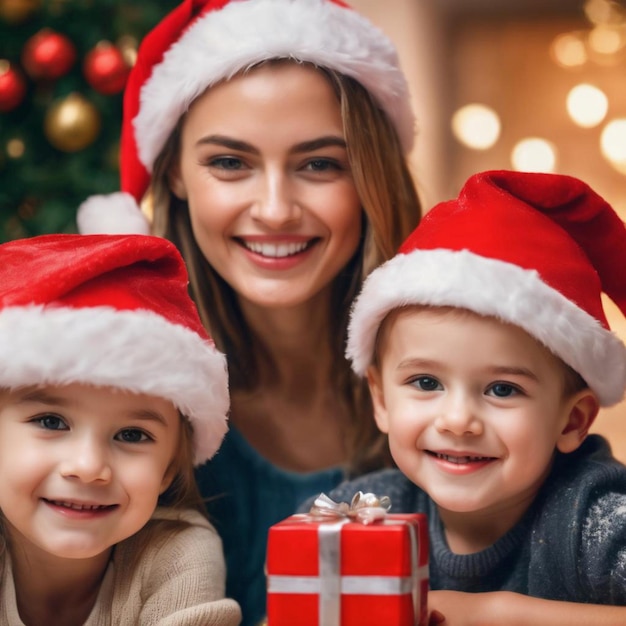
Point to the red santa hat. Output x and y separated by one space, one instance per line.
203 42
110 311
534 250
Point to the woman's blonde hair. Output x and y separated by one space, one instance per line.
391 210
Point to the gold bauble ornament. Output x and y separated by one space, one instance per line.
73 123
17 11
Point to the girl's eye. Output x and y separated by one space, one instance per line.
132 435
502 390
426 383
51 422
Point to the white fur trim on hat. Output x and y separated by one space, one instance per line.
113 214
492 288
134 350
226 41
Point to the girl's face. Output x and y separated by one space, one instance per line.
82 467
264 168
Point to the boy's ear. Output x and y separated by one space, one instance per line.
584 407
175 182
374 380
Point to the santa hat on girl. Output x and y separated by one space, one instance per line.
534 250
203 42
110 311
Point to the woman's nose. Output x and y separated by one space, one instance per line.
276 205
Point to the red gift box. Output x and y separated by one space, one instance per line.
339 572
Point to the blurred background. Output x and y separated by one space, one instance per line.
536 85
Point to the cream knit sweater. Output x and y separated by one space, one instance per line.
178 582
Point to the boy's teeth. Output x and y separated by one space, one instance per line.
275 250
459 459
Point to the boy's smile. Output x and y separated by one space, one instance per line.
474 409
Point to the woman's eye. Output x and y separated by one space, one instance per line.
51 422
322 165
132 435
226 163
502 390
426 383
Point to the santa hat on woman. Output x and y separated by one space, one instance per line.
534 250
203 42
110 311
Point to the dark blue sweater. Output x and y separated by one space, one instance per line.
570 545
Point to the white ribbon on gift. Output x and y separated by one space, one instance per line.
330 585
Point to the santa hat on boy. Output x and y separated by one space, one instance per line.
110 311
203 42
534 250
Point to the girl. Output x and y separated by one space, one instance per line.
102 353
270 137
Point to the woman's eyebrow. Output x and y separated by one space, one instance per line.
320 142
228 142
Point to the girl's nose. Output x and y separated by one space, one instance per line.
87 461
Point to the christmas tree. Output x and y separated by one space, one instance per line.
63 66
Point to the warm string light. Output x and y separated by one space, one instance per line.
477 126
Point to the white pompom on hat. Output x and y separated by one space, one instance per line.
110 311
534 250
203 42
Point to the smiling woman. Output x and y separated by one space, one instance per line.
271 138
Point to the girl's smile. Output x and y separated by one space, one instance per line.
83 466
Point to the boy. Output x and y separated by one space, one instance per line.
488 355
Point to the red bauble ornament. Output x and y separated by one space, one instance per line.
48 55
105 69
12 87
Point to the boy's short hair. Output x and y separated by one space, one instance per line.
573 382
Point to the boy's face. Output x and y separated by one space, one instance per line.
474 408
81 468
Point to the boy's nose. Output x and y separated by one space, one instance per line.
459 416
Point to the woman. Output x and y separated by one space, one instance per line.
271 136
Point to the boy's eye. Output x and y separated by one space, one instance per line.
132 435
51 422
502 390
426 383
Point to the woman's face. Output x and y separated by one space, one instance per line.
264 168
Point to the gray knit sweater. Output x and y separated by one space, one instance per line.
570 545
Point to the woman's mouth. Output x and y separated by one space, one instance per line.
276 250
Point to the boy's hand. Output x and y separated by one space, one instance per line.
498 608
455 608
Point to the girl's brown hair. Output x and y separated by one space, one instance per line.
391 209
182 493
